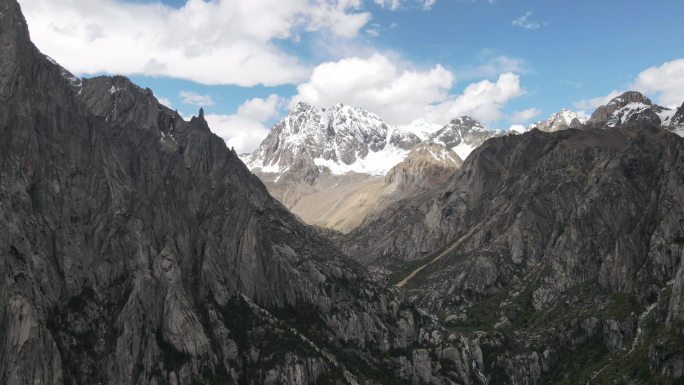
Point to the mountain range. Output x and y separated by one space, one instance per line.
563 250
330 166
136 248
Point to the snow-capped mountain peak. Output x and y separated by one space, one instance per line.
632 107
340 139
627 113
614 112
561 120
343 139
463 134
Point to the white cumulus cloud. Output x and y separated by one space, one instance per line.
483 100
245 129
665 83
400 94
165 101
378 84
211 42
195 99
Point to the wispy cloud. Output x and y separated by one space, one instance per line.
492 65
524 115
525 21
391 4
397 4
427 4
373 30
593 103
195 99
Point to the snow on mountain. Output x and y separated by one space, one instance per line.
441 154
667 117
518 129
633 107
463 135
426 166
421 128
627 113
561 120
375 162
341 139
676 120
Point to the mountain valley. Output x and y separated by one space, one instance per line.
136 247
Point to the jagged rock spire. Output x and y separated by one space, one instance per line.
15 46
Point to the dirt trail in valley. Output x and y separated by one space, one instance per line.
439 256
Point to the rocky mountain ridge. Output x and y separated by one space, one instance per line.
425 166
339 140
343 139
312 152
330 166
549 246
561 120
137 249
634 107
463 135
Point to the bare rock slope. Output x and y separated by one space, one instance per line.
135 248
563 251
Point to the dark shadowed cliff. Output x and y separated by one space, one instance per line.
135 248
563 249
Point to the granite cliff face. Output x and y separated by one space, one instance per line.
551 246
135 248
327 165
426 167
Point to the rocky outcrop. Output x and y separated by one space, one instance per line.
603 114
327 165
678 117
561 120
343 202
631 108
135 248
536 234
335 140
463 135
425 167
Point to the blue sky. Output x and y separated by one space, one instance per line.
503 61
